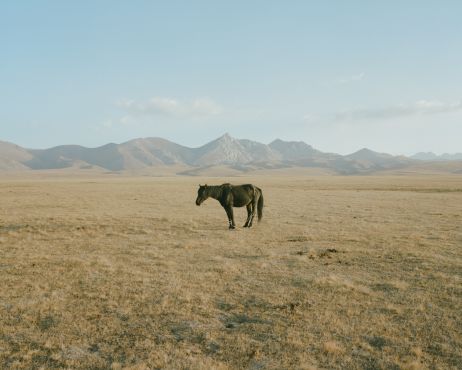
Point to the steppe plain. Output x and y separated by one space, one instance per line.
123 272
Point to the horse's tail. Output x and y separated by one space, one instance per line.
260 205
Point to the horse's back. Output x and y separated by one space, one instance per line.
244 188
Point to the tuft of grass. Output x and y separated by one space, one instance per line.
333 347
46 322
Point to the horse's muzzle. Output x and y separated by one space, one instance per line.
198 202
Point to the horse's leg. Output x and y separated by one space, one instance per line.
229 213
254 210
249 214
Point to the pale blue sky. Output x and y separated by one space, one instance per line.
340 75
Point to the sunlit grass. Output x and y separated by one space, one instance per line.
129 273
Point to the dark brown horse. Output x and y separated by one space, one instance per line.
231 196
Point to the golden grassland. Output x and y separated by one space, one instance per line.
123 272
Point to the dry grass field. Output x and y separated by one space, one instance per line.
128 273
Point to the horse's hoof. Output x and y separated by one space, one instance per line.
232 227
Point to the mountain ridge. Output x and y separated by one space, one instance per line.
430 156
225 152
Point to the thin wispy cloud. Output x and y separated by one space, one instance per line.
421 107
199 107
345 80
352 78
309 118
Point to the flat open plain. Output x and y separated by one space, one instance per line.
116 272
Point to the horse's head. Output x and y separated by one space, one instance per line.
202 194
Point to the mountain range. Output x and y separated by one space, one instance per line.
429 156
224 153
